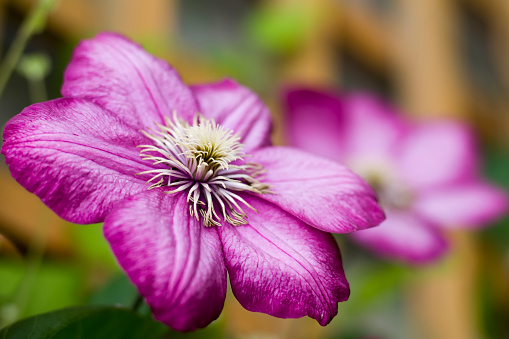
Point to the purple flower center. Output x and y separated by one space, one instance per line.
206 160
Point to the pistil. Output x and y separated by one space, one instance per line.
198 158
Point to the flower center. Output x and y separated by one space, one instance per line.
391 192
204 159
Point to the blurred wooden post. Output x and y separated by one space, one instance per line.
140 20
428 73
22 215
315 63
146 20
366 34
430 83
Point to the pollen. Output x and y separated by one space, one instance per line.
206 160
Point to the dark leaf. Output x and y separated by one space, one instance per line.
85 322
118 291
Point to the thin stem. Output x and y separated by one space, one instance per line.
34 261
34 23
14 239
137 303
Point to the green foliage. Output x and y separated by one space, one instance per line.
92 247
496 168
495 239
35 66
85 322
55 286
494 313
244 65
279 29
118 291
373 281
36 22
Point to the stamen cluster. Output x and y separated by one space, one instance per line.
390 191
201 158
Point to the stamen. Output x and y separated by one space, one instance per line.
197 158
392 193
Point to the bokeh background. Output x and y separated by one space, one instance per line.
431 58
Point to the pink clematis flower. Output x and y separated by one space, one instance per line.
219 198
426 175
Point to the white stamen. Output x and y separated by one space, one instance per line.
198 158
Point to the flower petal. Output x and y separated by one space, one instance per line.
403 236
237 108
320 192
438 153
177 264
316 123
373 130
120 76
280 266
79 159
354 128
471 205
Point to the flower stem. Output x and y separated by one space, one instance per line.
34 23
137 303
33 263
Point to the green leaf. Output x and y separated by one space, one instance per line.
118 291
85 322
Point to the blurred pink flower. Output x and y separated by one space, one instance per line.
81 155
426 174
